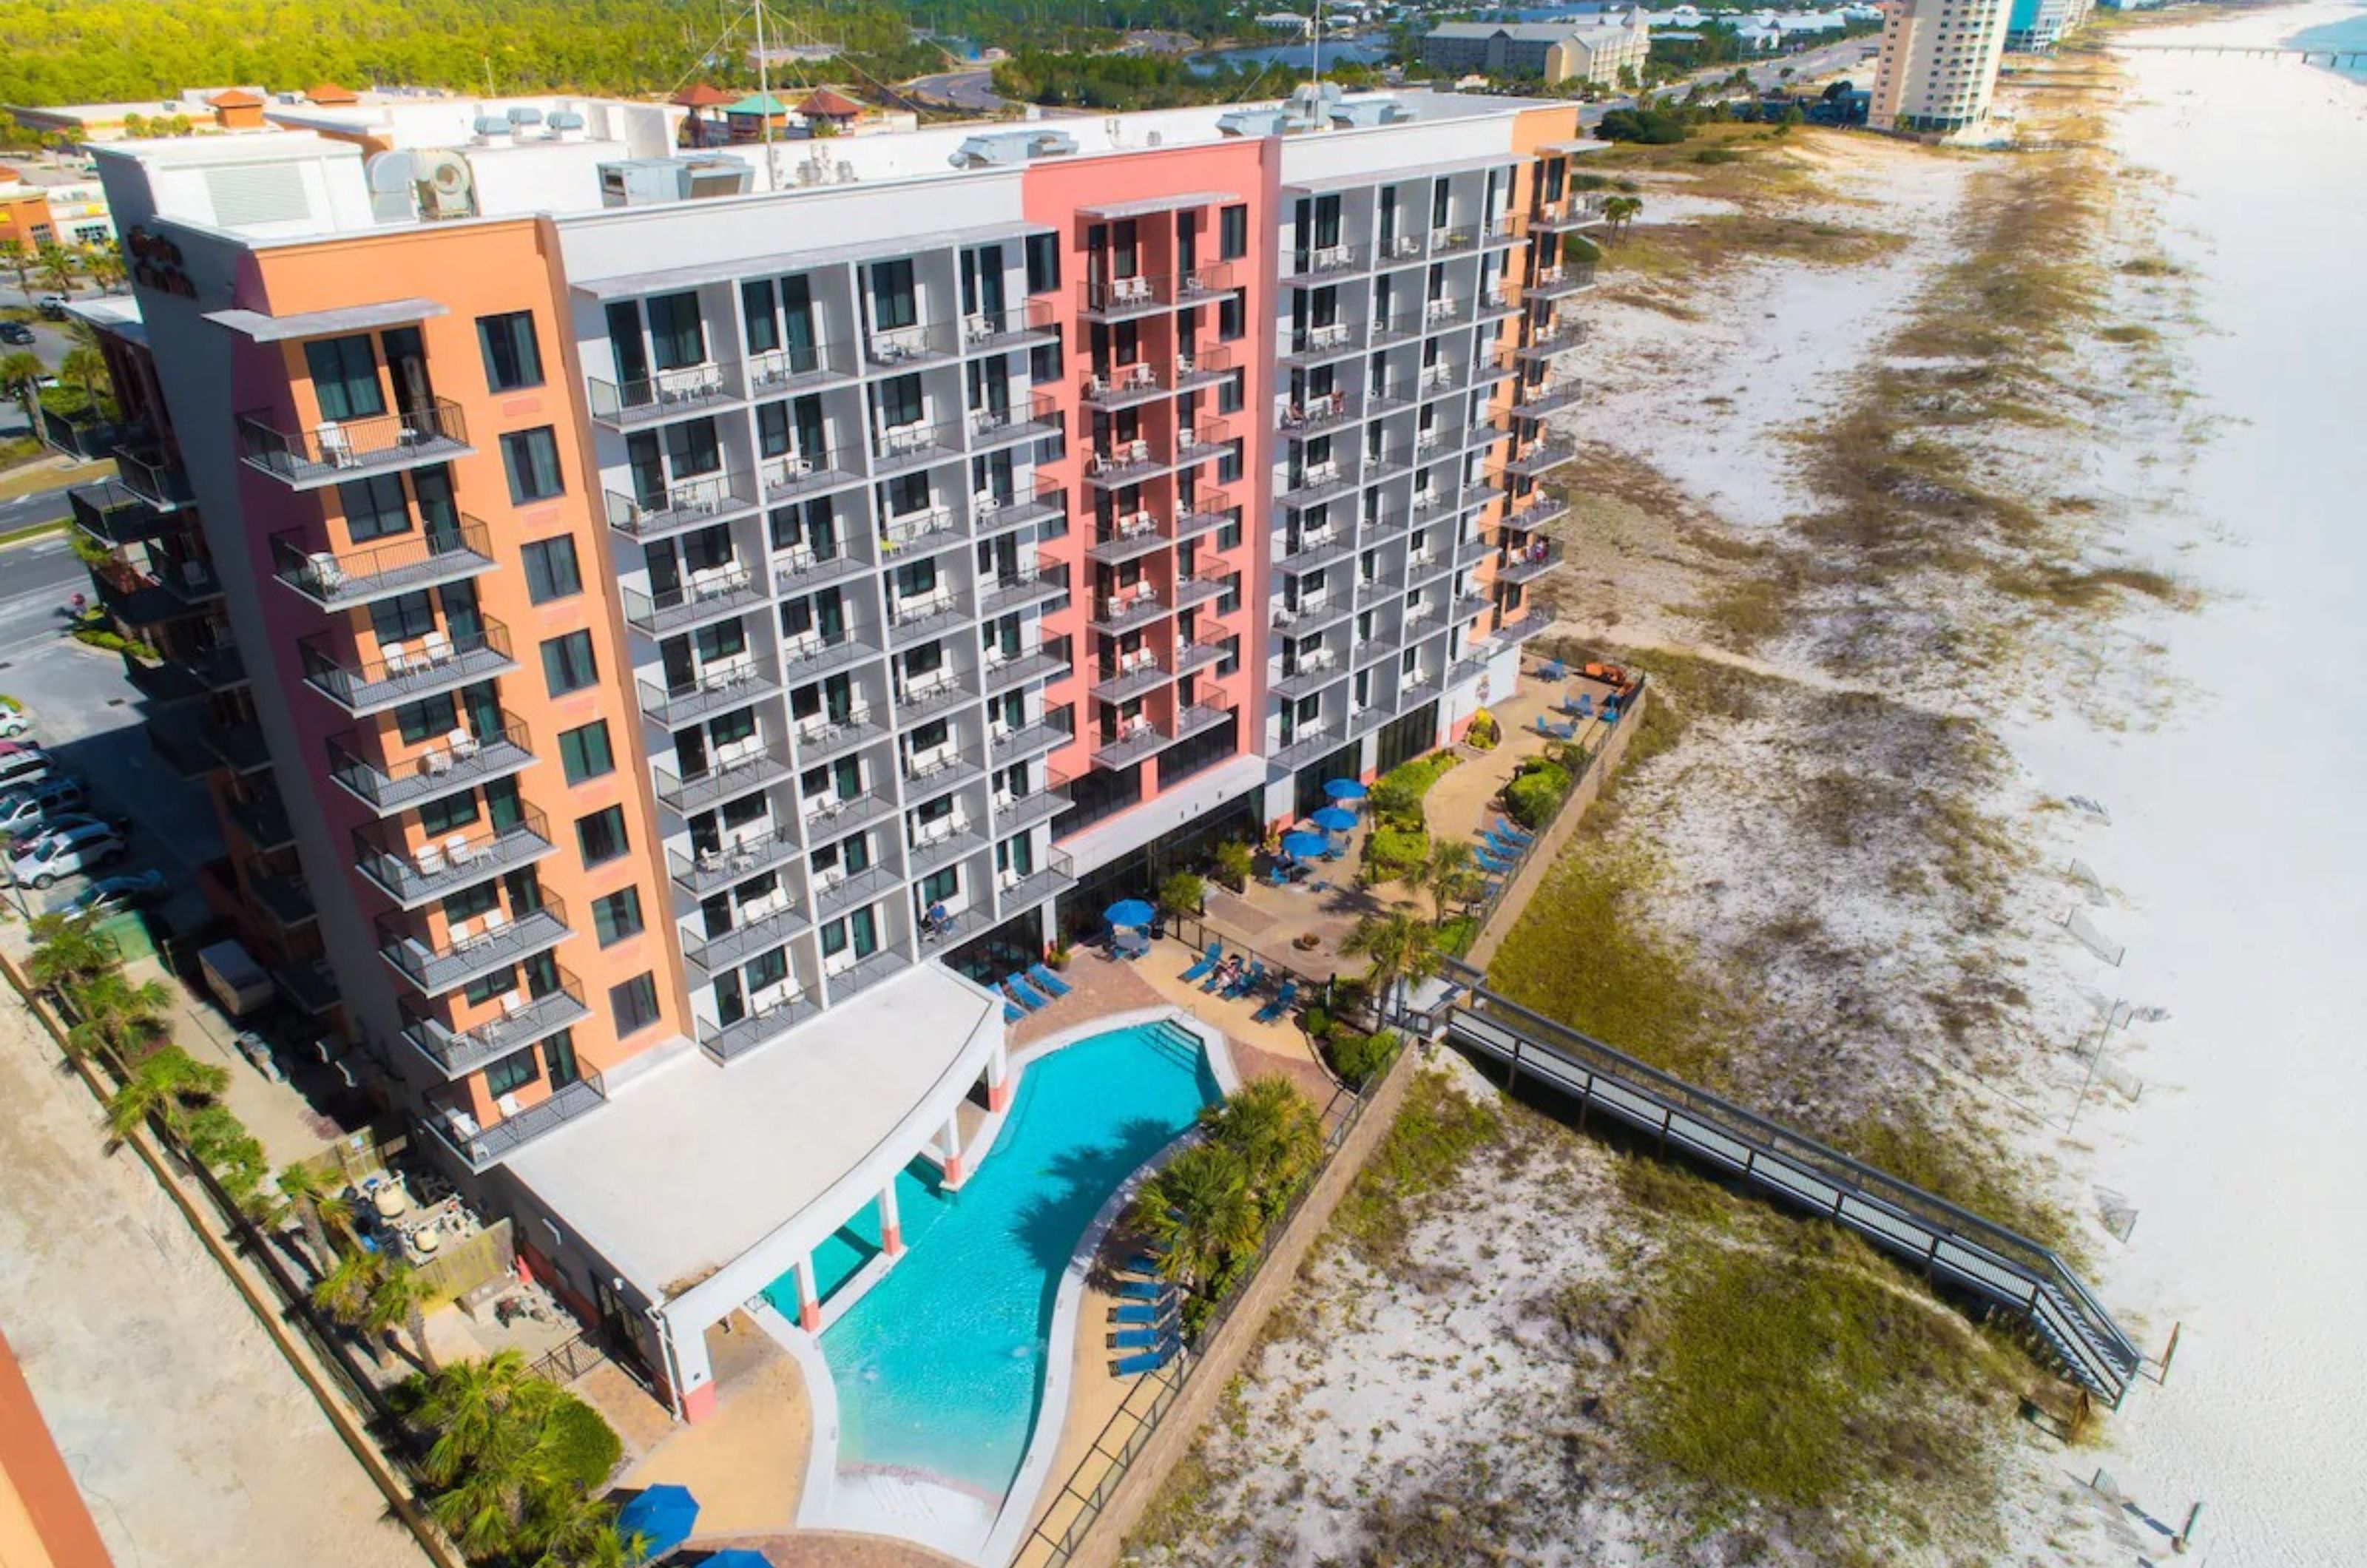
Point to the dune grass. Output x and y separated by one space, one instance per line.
1437 1129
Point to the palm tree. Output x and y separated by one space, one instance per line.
86 368
571 1528
167 1084
21 373
1402 952
1448 875
344 1292
17 257
465 1405
105 265
120 1017
318 1205
68 953
513 1467
1620 213
1197 1206
399 1300
1269 1123
56 267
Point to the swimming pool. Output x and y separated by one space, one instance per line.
940 1367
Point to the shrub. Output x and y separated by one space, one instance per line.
1535 793
1397 794
1318 1020
582 1446
1483 732
1391 852
1653 128
1182 894
1577 249
99 636
1717 155
1359 1058
1457 934
1235 862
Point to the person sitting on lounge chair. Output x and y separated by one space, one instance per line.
1229 972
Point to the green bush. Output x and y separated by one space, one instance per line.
1359 1058
1393 852
1397 794
1235 862
1590 182
1317 1020
1578 249
1717 155
1483 732
1457 934
583 1448
1534 793
1182 894
1653 128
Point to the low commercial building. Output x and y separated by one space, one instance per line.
1592 47
1938 66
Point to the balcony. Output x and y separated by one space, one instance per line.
412 876
85 437
1191 655
1130 537
927 698
1040 584
669 394
1473 550
1132 742
909 348
1495 303
1214 708
151 473
1543 458
1050 662
1508 229
727 1041
1560 282
1540 511
1467 669
1049 504
474 948
906 447
733 862
1119 466
912 621
109 512
1324 263
937 528
1054 877
463 761
1404 327
288 900
1115 615
945 769
1311 614
940 844
336 450
783 370
1198 446
1571 213
1321 416
835 894
1205 512
1426 563
800 569
1555 338
688 503
811 473
757 927
999 331
426 560
1126 298
524 1022
1465 608
706 596
1447 502
240 748
1315 483
1454 238
404 673
1529 623
1126 386
1537 402
1310 673
734 769
807 657
835 817
1008 746
864 973
991 429
1133 676
1323 345
482 1148
1308 743
1312 550
1526 562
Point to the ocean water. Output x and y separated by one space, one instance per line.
2349 33
940 1367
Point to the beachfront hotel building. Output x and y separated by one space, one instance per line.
1938 65
2037 26
662 628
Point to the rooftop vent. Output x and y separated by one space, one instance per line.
492 130
565 125
649 181
1005 148
522 115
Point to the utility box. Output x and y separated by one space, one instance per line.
233 977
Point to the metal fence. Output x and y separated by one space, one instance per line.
1579 768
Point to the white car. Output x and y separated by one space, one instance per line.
15 724
84 847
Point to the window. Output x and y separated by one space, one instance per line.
1044 363
893 303
1231 662
344 377
677 336
471 902
374 508
634 1005
1229 532
512 1073
1043 263
567 664
559 1057
513 358
450 814
550 569
1231 318
601 835
531 460
1228 463
1233 233
584 754
429 718
617 915
1230 392
764 320
940 885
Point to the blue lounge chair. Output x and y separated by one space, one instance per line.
1503 827
1208 962
1141 1312
1610 710
1252 978
1501 850
1216 978
1277 875
1553 731
1029 997
1139 1339
1551 670
1150 1360
1281 1003
1145 1290
1011 1012
1579 707
1143 1263
1051 984
1024 999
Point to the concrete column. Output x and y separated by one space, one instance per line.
951 1146
891 1227
809 1296
998 1077
688 1369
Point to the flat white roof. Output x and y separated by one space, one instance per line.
692 1164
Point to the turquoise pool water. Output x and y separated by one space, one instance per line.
940 1367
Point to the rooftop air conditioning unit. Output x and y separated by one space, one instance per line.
444 185
650 182
393 180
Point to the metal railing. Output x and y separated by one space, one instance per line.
349 447
893 347
435 662
781 369
438 866
439 770
667 394
434 554
683 504
907 445
436 970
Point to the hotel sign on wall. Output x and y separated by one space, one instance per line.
157 264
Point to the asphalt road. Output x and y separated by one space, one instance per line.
962 89
42 506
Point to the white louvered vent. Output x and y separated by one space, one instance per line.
246 195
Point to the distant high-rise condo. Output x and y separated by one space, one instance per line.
1939 63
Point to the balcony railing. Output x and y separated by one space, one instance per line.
1573 211
940 843
904 447
1197 654
926 777
921 700
1128 538
1201 443
668 394
1556 337
1316 346
1307 742
1540 511
1029 585
523 1021
462 760
1054 877
808 656
1016 813
1543 458
1113 614
1130 677
1310 672
1559 282
1321 416
1537 402
352 448
1047 734
1531 558
81 436
424 560
806 473
1320 263
1312 550
904 348
1207 509
111 514
780 370
411 877
1046 503
917 620
688 503
734 861
756 927
407 672
991 428
1050 662
834 894
1317 482
1132 741
835 817
474 948
799 569
705 597
482 1148
998 332
727 1041
1208 710
151 472
733 770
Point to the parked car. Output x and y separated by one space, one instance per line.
53 306
22 762
15 724
16 333
113 894
83 848
24 809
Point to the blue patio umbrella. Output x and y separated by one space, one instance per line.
1345 789
1304 846
1129 912
1334 820
662 1514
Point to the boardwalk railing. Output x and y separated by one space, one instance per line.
1951 1242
